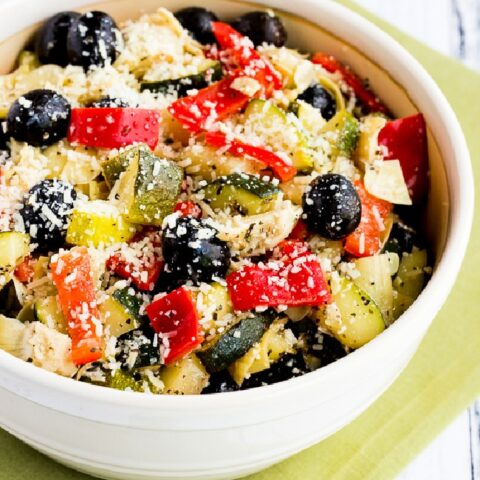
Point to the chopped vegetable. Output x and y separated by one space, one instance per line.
368 98
98 223
241 193
186 377
234 343
405 140
174 318
241 58
72 274
346 133
275 128
188 208
279 165
24 271
296 281
13 249
149 188
210 72
113 127
274 343
211 104
354 319
141 262
385 181
366 239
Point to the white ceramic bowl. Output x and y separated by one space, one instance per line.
131 436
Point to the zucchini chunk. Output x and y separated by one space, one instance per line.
138 349
356 319
48 311
235 343
136 382
149 188
375 279
116 317
343 131
241 193
186 377
130 301
97 223
113 167
274 127
210 72
275 342
13 249
410 280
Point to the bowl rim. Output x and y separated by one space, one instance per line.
461 192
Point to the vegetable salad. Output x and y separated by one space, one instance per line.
190 206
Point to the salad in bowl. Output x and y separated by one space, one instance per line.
188 206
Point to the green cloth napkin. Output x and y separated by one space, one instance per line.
440 382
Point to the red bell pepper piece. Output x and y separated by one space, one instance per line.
290 249
241 59
174 318
365 241
188 208
72 275
299 232
296 280
25 270
280 167
406 141
143 263
218 101
211 104
366 96
113 127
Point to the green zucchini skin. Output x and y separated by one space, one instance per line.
142 341
235 343
242 193
182 85
130 302
149 187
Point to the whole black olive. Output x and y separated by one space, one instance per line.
402 239
331 351
51 38
46 213
289 366
198 21
220 382
193 252
93 40
321 99
4 138
332 206
261 27
40 118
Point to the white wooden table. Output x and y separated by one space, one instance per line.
452 27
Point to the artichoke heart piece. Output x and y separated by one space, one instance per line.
275 128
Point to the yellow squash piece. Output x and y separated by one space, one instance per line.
98 223
186 377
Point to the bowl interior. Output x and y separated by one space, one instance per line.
302 35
